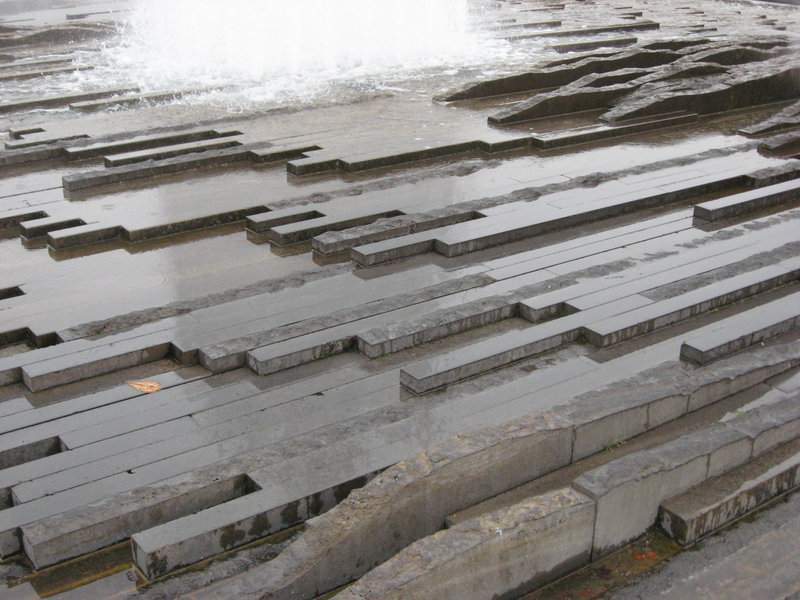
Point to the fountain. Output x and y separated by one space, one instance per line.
279 52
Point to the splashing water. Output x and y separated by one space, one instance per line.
269 50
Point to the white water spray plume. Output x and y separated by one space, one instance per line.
273 48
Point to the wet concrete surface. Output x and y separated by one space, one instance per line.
179 246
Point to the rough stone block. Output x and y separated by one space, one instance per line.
769 426
629 490
412 500
601 420
53 539
510 551
190 539
715 503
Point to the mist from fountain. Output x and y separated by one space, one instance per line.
274 51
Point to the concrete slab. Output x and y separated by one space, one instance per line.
745 329
140 142
547 535
128 158
745 202
665 312
432 373
715 503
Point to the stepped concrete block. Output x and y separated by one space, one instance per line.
65 458
508 552
591 134
199 536
95 361
181 441
267 220
40 227
603 419
377 342
735 374
705 508
531 220
129 158
453 366
385 251
80 181
54 101
629 490
639 25
725 448
742 330
616 42
98 404
672 310
91 150
51 540
298 351
770 426
749 201
282 152
363 162
308 317
82 235
411 500
13 219
324 331
298 231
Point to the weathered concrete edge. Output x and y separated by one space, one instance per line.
445 564
411 499
532 542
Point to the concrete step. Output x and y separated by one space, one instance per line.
141 142
713 504
739 204
486 355
666 312
531 219
740 331
616 321
128 158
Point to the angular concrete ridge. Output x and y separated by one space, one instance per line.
717 502
378 520
546 536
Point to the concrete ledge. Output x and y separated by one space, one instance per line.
701 510
204 534
410 501
396 337
616 42
79 181
161 153
750 327
95 361
141 142
462 363
44 548
739 204
508 552
629 490
659 314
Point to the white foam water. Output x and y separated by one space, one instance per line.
274 50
